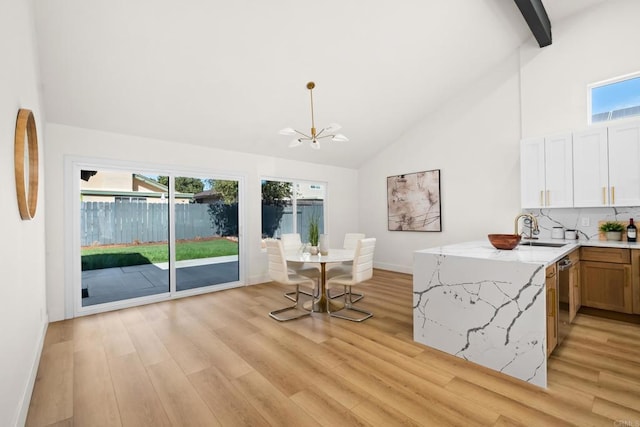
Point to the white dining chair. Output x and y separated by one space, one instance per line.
280 273
361 271
292 242
350 241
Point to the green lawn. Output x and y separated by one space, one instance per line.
107 257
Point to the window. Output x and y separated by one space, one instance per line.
614 99
130 199
287 207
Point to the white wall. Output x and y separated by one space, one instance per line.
64 141
596 45
474 140
22 296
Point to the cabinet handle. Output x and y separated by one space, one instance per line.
613 195
549 306
541 198
604 195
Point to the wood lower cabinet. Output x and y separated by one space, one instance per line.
575 288
607 278
552 307
598 277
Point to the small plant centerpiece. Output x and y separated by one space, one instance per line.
612 230
314 235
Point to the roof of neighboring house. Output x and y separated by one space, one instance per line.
151 183
207 194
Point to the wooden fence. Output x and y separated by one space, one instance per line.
125 222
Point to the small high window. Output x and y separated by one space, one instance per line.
614 99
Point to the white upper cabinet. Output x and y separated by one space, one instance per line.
590 168
624 165
558 156
546 172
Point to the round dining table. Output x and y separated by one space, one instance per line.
332 256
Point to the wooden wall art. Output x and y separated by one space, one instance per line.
26 163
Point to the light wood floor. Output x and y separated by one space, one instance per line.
218 359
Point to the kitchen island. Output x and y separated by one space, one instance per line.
485 305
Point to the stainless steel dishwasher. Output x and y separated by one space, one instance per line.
563 298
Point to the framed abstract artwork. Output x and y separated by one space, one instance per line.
413 201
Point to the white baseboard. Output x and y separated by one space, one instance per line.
26 397
393 267
256 280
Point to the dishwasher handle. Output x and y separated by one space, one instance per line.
564 264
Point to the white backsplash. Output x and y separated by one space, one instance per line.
573 218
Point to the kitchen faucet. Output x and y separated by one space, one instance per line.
530 221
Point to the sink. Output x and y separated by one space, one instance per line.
543 244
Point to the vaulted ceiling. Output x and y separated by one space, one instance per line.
230 74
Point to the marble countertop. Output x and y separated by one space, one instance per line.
482 249
609 244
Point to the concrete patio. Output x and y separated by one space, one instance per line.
119 283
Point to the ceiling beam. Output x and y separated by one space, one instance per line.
537 19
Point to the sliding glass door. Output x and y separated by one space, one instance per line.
206 230
124 234
146 234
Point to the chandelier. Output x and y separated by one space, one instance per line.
314 137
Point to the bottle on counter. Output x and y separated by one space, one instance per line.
632 231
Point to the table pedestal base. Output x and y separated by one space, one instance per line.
320 306
334 256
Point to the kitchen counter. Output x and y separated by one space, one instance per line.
522 253
482 249
488 306
607 244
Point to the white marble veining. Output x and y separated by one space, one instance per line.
483 309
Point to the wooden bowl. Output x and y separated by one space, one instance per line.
504 241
